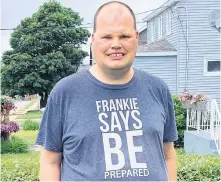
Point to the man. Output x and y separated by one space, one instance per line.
111 122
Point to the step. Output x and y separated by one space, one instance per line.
199 143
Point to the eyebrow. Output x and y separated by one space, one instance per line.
127 34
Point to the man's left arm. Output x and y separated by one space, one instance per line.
170 158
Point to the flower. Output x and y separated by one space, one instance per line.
199 98
9 127
192 98
185 96
7 104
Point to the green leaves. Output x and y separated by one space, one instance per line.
180 116
46 48
192 167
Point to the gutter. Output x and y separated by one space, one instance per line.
159 10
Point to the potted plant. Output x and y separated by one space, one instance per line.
194 101
185 98
200 101
7 126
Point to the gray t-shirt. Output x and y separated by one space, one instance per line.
109 132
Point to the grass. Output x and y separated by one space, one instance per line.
20 167
31 115
28 136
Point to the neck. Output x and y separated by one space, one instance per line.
112 76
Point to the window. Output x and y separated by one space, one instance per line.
152 31
168 22
160 27
211 66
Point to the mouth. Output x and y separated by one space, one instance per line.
116 55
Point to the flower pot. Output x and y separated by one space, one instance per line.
201 106
187 105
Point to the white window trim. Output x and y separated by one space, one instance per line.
206 73
152 31
172 53
168 24
155 28
160 27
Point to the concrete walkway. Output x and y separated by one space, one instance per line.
35 148
23 108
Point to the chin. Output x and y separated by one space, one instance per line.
118 67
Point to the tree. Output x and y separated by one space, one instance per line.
45 48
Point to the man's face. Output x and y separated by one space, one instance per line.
115 39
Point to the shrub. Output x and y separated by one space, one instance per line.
180 115
15 145
192 167
25 167
31 125
20 167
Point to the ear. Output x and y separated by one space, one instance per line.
137 35
92 37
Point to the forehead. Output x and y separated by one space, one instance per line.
114 16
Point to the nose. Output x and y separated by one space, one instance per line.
116 44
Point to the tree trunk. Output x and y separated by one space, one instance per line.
5 136
5 116
44 99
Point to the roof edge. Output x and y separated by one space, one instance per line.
159 10
159 53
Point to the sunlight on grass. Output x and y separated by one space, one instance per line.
31 115
28 136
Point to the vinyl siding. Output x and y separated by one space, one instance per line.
155 64
204 41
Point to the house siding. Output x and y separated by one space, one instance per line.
142 37
155 64
173 37
204 41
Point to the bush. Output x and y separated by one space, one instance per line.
192 167
25 167
15 145
31 125
180 115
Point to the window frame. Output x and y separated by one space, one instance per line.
160 27
152 30
168 22
206 60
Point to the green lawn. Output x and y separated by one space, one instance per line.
20 167
28 136
31 115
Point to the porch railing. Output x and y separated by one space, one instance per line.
207 120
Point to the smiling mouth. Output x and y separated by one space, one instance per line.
116 55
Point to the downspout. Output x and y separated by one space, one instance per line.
187 43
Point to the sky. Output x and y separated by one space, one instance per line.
13 11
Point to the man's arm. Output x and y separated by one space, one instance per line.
170 158
50 165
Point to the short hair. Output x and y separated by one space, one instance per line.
101 7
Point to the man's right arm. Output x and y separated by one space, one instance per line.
50 165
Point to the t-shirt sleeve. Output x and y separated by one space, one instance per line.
50 131
170 129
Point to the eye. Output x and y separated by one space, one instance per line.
124 37
106 37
